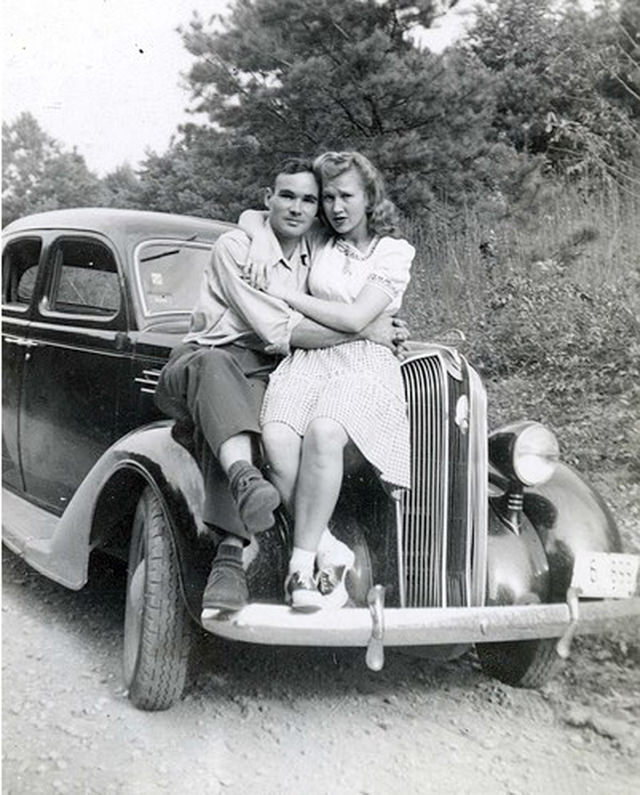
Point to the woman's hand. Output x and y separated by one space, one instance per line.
256 274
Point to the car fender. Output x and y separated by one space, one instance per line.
569 517
517 567
101 511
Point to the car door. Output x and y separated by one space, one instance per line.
20 262
78 361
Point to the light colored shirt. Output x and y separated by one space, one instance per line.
340 271
229 310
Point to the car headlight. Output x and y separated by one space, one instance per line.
526 452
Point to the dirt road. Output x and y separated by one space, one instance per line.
274 720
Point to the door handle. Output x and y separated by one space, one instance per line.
24 343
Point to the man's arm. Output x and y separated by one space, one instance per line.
270 318
384 330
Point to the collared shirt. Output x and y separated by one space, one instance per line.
229 310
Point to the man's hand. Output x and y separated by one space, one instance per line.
400 337
389 331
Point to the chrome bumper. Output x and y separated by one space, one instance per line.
279 625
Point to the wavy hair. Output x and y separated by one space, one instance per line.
382 214
294 165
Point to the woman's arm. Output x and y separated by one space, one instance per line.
384 285
252 223
260 257
370 302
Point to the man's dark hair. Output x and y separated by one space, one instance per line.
293 165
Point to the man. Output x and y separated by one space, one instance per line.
213 384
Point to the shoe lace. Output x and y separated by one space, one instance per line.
326 581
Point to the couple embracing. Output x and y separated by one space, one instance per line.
293 343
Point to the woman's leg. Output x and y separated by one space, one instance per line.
319 480
282 447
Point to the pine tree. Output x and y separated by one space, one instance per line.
287 77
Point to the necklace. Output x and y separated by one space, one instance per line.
351 252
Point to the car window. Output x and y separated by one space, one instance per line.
169 274
84 279
20 260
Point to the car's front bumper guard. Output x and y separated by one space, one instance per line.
377 626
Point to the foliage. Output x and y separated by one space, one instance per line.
533 91
37 174
567 84
302 76
122 188
195 176
551 311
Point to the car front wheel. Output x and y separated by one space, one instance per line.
521 663
157 628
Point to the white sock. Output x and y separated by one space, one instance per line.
327 541
303 561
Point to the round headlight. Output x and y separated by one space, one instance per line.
527 451
535 455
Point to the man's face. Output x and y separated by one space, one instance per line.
292 204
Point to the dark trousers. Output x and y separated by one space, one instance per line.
215 393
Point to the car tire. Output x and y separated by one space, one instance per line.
157 627
440 653
521 663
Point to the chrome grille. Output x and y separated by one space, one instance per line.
424 507
436 524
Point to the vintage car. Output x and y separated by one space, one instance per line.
497 544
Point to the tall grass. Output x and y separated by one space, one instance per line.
549 300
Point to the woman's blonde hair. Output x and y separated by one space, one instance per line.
382 215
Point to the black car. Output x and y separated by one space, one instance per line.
497 544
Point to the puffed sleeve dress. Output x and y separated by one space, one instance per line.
359 383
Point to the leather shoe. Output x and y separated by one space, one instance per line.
226 587
255 497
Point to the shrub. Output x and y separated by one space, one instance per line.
550 305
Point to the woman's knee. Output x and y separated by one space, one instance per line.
281 444
325 436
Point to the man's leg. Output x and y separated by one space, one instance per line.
222 401
213 390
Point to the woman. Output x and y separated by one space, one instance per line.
319 400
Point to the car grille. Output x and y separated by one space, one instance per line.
440 536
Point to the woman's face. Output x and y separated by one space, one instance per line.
345 204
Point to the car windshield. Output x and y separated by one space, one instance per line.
169 274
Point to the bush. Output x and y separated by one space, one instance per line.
550 306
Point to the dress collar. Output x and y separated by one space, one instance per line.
354 253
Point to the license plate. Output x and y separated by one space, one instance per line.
605 575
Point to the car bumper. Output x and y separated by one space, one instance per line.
279 625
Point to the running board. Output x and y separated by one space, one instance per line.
28 531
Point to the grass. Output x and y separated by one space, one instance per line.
549 299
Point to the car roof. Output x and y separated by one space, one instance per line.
122 223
